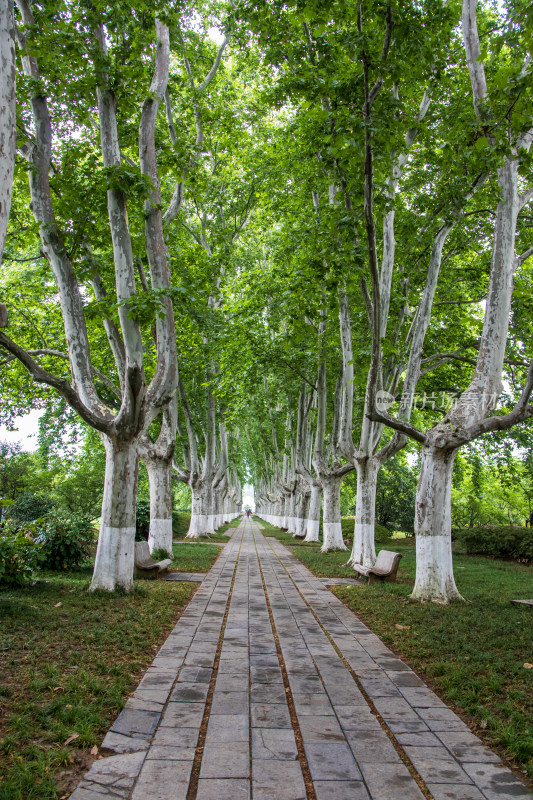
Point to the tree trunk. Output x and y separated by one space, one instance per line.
197 526
159 478
364 551
313 519
8 129
433 527
210 521
332 515
113 566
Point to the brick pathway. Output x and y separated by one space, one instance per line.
270 688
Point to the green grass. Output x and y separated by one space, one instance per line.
472 653
219 536
195 556
68 660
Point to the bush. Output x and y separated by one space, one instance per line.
382 534
142 521
66 541
19 555
180 522
502 542
29 506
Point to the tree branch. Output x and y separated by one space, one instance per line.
61 385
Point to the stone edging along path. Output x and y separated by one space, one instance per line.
270 688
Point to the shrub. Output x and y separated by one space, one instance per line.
382 534
66 541
180 522
19 555
29 506
142 521
502 542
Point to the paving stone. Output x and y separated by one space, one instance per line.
405 679
190 693
357 718
230 702
320 729
441 719
270 715
390 782
371 746
421 697
176 737
436 765
312 704
234 726
136 722
195 675
186 715
425 739
118 743
228 682
340 790
118 772
226 760
496 783
455 791
264 660
331 761
86 791
274 780
274 743
162 780
223 789
162 680
162 752
268 693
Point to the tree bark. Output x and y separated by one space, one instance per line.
113 566
332 514
313 517
364 551
433 526
160 480
8 131
198 523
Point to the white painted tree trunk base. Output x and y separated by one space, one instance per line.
332 537
364 550
313 530
114 562
197 526
160 535
435 581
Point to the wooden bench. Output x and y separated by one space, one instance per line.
384 569
145 563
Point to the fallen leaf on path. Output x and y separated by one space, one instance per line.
403 627
94 751
71 738
57 605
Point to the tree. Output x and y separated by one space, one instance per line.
471 417
137 402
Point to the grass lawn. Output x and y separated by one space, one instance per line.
219 536
68 660
473 654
